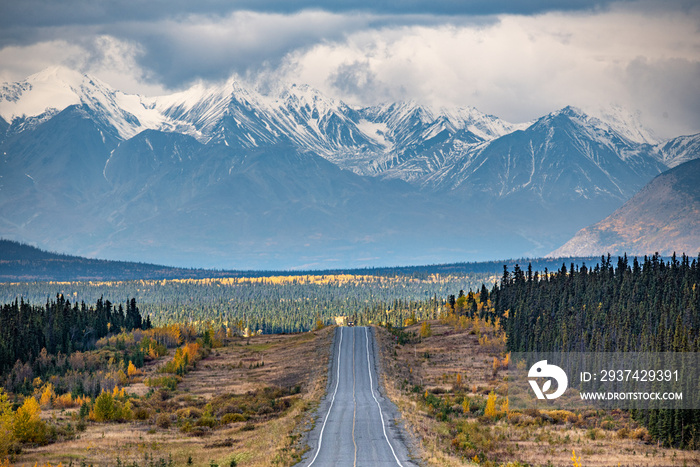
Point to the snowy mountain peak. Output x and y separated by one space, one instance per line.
59 73
309 101
605 124
483 125
56 88
626 123
53 88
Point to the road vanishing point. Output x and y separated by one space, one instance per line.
355 423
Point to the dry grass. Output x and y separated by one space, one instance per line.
434 362
289 361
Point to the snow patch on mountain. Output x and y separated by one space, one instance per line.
376 131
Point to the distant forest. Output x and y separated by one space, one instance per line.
272 304
24 263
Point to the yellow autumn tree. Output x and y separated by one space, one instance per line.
425 330
458 382
490 410
47 396
132 370
27 425
6 429
505 406
121 393
506 361
575 460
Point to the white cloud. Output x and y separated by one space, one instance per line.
111 60
18 62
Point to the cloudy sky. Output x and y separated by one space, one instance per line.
514 59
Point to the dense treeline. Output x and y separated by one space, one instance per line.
653 306
59 327
647 306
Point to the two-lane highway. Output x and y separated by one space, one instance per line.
354 425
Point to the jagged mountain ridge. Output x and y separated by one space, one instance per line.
563 154
239 115
397 140
679 150
229 172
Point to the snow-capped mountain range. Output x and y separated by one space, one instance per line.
218 146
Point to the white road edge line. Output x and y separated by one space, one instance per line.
371 387
337 380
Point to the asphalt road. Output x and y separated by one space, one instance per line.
355 423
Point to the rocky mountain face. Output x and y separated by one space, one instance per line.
227 176
663 217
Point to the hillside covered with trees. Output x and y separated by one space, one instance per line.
650 305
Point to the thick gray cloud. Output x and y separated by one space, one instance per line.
50 13
669 90
181 40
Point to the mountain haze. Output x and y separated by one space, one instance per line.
228 176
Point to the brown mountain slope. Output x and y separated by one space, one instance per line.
663 217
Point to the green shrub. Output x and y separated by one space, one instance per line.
105 408
233 418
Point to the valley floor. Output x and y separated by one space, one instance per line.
295 365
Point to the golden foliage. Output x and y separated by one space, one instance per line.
132 371
505 406
66 401
425 330
27 424
410 321
121 393
465 405
576 461
47 396
506 361
6 424
490 410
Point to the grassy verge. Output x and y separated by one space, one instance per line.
447 381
